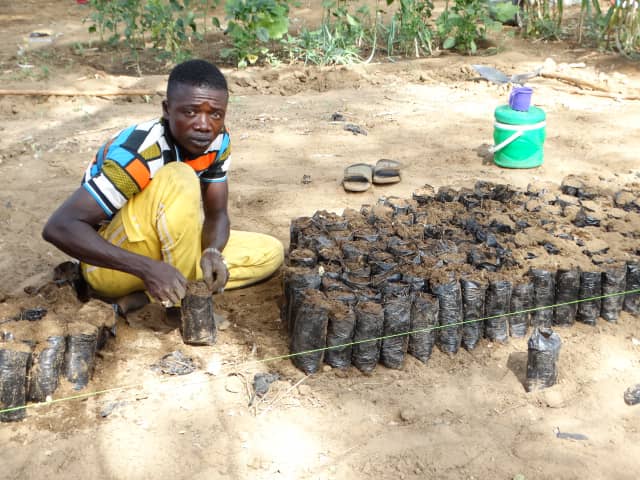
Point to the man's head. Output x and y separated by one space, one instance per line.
196 104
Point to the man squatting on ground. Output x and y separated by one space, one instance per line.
151 212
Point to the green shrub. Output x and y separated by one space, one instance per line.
346 31
543 19
117 18
461 26
169 26
409 31
253 24
623 27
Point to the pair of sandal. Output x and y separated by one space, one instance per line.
360 176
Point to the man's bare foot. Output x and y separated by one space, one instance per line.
131 302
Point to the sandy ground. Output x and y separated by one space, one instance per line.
466 416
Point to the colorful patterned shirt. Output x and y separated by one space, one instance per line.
125 165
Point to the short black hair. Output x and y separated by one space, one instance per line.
197 73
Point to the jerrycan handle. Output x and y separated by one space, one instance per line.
507 141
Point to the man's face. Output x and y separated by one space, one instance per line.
195 116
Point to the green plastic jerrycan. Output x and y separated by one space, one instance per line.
518 137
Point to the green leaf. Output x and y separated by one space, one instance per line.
493 26
596 6
560 6
352 21
449 42
278 27
262 34
216 22
505 11
472 47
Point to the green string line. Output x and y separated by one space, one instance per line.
317 350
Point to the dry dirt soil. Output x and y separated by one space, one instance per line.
466 416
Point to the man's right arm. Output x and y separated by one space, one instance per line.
70 228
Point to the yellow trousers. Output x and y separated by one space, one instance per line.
164 222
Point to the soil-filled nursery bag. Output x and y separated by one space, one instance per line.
405 249
329 220
397 320
521 299
380 279
544 349
331 270
614 280
583 219
567 290
367 295
497 303
394 289
101 315
47 361
198 324
400 206
424 317
319 242
343 296
310 330
14 362
367 234
473 298
297 226
406 220
590 287
415 277
380 215
80 355
330 255
369 325
469 200
382 262
356 275
449 313
447 194
632 300
424 195
19 331
295 281
356 251
544 294
340 330
484 258
32 314
302 257
386 231
329 285
341 235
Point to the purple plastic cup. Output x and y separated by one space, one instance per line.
520 98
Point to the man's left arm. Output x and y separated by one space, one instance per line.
215 233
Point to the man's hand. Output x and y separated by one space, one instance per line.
70 228
165 283
214 270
